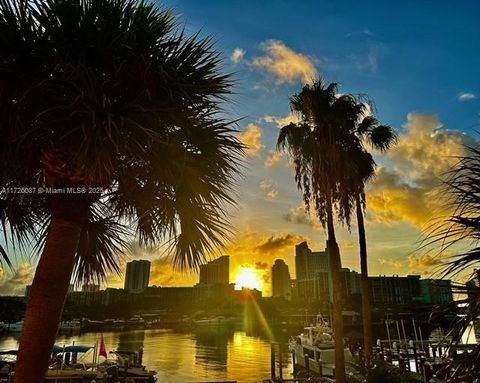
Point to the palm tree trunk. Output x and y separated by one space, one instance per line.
49 290
335 265
366 305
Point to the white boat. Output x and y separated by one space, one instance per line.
316 346
74 324
212 321
14 327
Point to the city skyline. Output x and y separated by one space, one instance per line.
314 280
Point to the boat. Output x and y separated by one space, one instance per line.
14 327
214 321
314 349
128 364
69 364
71 325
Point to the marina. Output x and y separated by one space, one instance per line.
202 355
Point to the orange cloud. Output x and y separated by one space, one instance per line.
282 121
15 283
252 138
423 261
408 189
270 190
274 159
285 64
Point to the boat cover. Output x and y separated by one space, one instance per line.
58 349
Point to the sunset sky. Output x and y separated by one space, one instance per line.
418 62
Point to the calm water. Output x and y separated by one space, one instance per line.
213 353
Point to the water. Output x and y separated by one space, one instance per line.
201 354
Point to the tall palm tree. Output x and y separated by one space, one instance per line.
380 137
332 167
111 126
317 146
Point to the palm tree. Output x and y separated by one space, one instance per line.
453 234
332 167
111 126
317 146
379 137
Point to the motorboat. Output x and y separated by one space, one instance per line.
314 348
14 327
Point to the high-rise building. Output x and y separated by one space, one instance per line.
312 272
216 271
436 291
394 290
137 276
281 282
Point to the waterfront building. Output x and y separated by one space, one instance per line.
216 271
436 291
90 287
137 276
395 290
313 278
281 282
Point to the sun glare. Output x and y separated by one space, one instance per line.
248 277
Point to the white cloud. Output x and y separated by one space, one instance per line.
465 96
237 55
285 64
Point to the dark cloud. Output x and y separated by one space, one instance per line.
261 265
276 243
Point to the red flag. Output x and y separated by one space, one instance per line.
103 349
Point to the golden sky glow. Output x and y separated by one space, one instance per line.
248 277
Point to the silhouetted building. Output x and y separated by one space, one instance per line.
395 290
313 279
352 281
436 291
281 282
90 288
137 276
216 271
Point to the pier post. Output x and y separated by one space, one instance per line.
280 362
422 367
415 356
272 361
388 356
307 364
320 367
294 364
401 363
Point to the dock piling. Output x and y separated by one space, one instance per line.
272 361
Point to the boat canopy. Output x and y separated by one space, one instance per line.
58 349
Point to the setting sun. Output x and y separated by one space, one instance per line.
248 277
